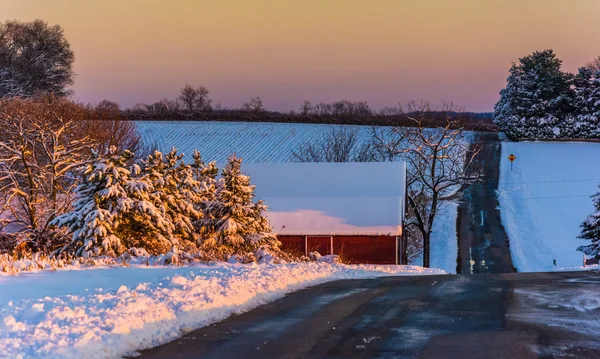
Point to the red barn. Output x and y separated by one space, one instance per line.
353 209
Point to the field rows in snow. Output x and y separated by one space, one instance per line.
544 199
254 142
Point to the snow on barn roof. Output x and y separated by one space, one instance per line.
352 198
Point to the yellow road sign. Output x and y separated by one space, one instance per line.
512 157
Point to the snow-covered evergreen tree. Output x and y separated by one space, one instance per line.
587 101
206 175
101 199
116 210
239 223
175 191
537 97
591 230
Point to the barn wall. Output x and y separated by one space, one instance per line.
366 249
354 249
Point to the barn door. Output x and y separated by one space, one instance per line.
321 244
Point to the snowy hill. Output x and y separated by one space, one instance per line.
254 142
545 198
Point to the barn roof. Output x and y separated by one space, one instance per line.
353 198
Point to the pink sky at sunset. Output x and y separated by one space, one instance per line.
381 51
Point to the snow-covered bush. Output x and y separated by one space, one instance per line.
591 230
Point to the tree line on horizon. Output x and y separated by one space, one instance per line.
35 58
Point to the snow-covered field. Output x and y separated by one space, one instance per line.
109 312
254 142
274 142
545 198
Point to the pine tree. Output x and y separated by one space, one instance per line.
587 101
206 175
591 230
96 213
116 210
536 98
175 191
239 223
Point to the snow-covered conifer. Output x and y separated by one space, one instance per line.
101 199
591 230
536 98
239 223
175 191
587 101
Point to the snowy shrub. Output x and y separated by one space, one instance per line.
591 230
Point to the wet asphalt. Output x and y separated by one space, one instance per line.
513 315
482 242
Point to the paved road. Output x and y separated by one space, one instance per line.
483 245
515 315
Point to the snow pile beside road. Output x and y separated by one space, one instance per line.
113 311
444 241
544 199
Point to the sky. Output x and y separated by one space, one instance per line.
380 51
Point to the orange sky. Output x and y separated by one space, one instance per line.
382 51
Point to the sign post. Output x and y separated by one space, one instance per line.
512 159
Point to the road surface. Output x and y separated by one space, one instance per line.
514 315
483 245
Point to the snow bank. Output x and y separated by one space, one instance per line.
444 240
544 199
109 312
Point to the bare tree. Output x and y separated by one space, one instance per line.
594 64
306 107
106 126
39 155
340 144
195 99
34 58
255 105
439 162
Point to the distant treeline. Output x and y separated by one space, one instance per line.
342 113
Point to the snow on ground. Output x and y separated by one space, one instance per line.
544 199
109 312
444 241
254 142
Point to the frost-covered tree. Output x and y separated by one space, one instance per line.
40 157
34 58
175 192
536 98
206 174
117 208
239 222
439 161
591 230
586 85
102 199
